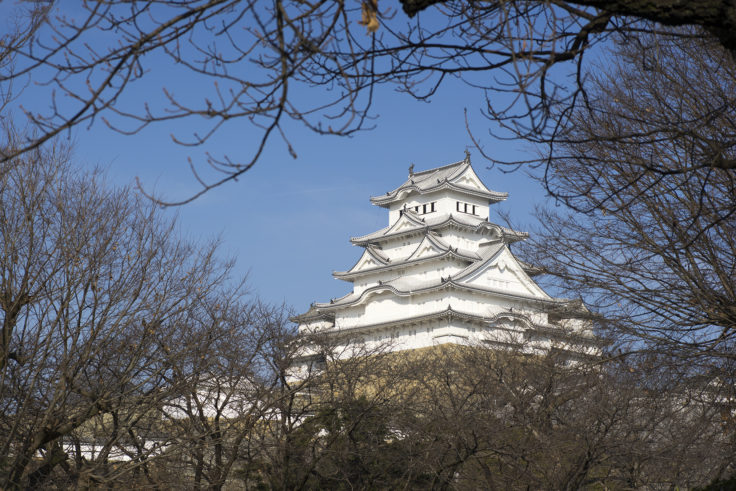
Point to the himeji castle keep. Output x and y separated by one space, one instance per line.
441 272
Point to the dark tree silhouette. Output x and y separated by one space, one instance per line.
107 317
250 60
649 161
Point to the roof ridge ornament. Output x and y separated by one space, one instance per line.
411 169
467 155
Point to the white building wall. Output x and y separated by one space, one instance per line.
415 335
418 273
399 313
445 203
464 239
315 325
399 249
387 307
448 204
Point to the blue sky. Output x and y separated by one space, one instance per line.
288 221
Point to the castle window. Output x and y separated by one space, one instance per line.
466 208
425 208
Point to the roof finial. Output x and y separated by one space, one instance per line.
411 169
467 155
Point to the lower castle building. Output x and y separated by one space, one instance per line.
441 272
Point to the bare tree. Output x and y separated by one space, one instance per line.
492 419
106 318
648 242
331 425
252 58
655 255
474 417
663 104
232 392
22 25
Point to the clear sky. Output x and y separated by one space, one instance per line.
288 221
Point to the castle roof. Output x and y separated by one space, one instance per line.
459 176
431 248
411 223
495 255
450 313
445 263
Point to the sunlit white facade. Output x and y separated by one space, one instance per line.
441 272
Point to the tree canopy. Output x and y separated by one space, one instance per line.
655 254
252 57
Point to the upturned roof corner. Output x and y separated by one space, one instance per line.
458 176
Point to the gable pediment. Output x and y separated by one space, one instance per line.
502 271
366 263
429 246
406 221
403 225
469 180
369 260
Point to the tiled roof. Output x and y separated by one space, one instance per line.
436 221
378 254
449 312
312 314
487 253
443 250
404 287
435 179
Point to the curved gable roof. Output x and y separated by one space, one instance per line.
429 248
371 259
499 263
403 288
413 224
459 176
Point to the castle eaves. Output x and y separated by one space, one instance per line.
438 179
431 286
435 223
459 254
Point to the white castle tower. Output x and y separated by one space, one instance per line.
441 272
